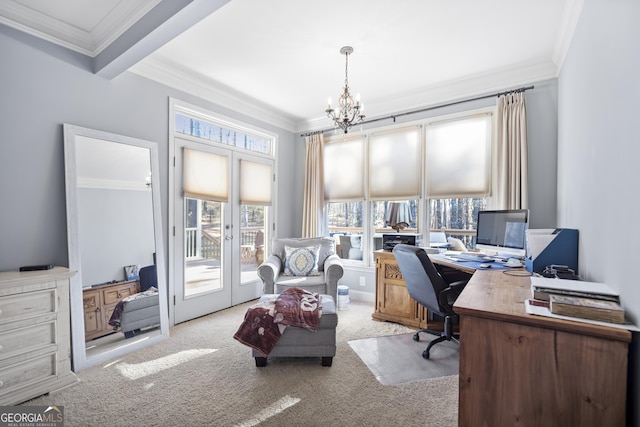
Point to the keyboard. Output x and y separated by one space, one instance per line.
471 257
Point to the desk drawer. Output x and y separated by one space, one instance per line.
21 375
31 304
24 340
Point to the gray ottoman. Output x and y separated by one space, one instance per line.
300 342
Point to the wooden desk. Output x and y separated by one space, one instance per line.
459 266
520 369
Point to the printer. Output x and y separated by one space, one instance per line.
389 241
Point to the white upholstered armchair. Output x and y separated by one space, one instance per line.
279 272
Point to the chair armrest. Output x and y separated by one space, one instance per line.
269 271
333 272
448 296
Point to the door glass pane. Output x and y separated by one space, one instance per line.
252 232
202 251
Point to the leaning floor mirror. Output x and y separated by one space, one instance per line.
114 228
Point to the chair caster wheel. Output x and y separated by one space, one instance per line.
416 337
425 354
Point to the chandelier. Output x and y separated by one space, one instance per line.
348 112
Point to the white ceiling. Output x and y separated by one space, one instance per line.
279 60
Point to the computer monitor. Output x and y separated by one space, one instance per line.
503 231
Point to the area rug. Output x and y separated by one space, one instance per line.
397 359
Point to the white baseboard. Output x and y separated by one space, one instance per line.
362 296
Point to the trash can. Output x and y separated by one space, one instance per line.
343 297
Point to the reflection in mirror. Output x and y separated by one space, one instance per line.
118 296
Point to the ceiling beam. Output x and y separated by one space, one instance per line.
163 23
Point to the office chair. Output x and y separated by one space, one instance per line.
427 287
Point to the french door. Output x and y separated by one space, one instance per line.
217 244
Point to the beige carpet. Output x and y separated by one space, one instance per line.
397 359
201 376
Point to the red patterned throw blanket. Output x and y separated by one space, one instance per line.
265 321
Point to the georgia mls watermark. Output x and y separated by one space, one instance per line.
31 416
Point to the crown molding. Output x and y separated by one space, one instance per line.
479 84
202 87
563 42
453 90
88 43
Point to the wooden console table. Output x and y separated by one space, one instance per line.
393 302
522 369
99 303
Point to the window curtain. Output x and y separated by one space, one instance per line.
313 202
512 152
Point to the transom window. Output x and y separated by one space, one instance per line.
227 135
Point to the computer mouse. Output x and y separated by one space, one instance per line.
485 265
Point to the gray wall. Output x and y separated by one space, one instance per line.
598 152
115 229
38 94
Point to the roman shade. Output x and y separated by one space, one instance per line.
205 176
395 164
255 183
344 169
458 158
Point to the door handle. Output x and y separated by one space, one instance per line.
228 237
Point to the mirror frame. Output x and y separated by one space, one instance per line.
80 359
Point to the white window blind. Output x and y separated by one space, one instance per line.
205 175
344 169
458 158
395 164
255 183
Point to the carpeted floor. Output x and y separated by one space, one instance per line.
201 376
397 359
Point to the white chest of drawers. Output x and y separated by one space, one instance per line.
35 342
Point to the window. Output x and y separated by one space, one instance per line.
458 174
345 225
202 127
442 165
456 217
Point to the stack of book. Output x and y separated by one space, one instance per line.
587 300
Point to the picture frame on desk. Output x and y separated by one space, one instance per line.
132 272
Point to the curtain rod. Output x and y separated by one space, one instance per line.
422 110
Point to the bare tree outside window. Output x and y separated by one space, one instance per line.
456 214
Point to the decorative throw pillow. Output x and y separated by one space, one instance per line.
301 261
